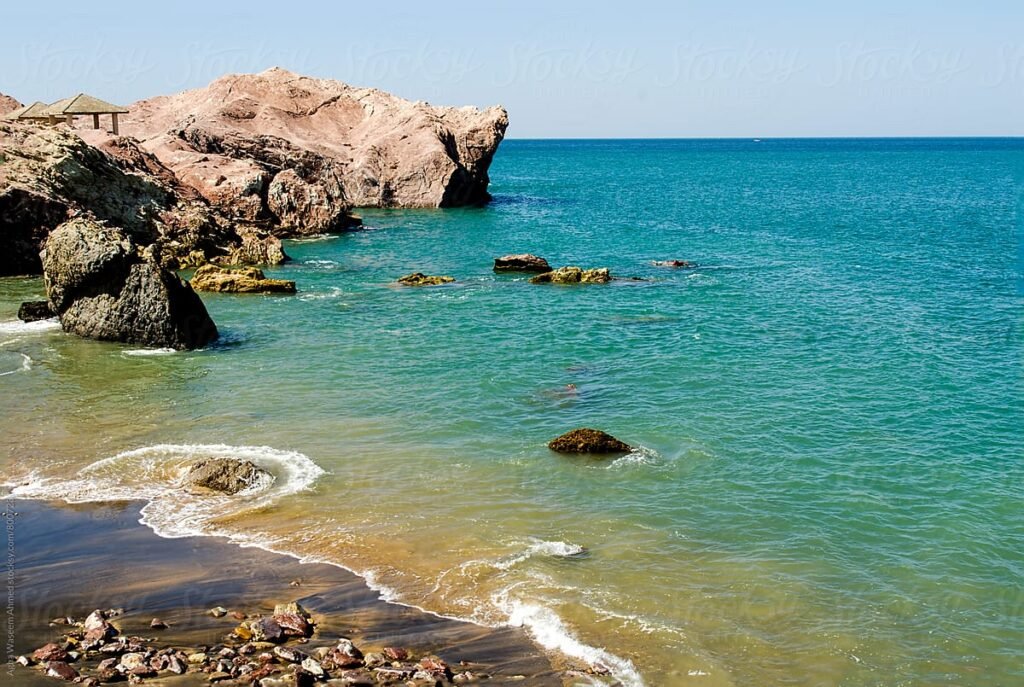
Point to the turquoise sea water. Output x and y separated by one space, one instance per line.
830 409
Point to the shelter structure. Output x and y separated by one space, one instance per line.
84 104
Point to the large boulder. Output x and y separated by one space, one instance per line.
239 280
521 262
103 287
586 440
225 475
298 153
574 275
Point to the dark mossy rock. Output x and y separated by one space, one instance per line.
586 440
681 264
521 262
420 279
32 311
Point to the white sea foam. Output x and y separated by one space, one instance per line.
37 327
554 549
332 292
154 474
641 455
148 352
548 630
25 366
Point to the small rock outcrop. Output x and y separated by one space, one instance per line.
574 275
682 264
521 262
32 311
420 279
586 440
103 287
225 475
238 280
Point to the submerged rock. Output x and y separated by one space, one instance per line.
226 476
521 262
102 287
31 311
586 440
420 279
238 280
682 264
574 275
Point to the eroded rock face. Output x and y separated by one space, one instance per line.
299 153
573 275
521 262
240 280
225 475
103 287
586 440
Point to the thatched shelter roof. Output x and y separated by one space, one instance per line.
82 104
36 110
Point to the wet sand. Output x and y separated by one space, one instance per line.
69 560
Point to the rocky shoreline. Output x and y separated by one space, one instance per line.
218 176
198 611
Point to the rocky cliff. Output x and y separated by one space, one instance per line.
297 153
48 174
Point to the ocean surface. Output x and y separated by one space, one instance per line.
829 412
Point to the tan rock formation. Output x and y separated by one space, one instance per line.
298 153
573 275
241 280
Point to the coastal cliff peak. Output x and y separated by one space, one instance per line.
347 146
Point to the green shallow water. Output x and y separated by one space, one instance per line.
829 487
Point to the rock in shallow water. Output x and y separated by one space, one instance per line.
682 264
586 440
420 279
521 262
32 311
240 280
226 476
574 275
102 287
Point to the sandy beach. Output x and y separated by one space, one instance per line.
69 560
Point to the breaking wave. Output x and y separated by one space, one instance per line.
155 474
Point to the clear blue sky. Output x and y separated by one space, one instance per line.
565 69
